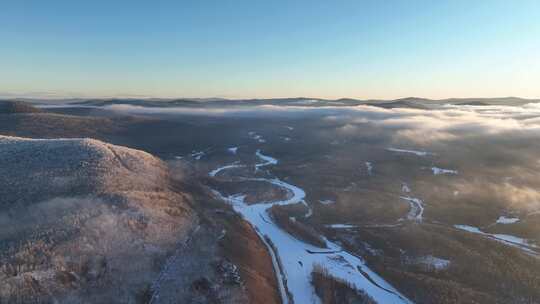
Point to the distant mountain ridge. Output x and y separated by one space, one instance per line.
13 107
412 102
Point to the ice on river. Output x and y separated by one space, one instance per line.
419 153
291 251
510 240
298 258
217 170
417 208
267 160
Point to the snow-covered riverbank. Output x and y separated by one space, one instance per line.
297 258
510 240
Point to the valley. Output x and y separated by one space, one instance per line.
391 204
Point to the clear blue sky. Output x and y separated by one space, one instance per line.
331 49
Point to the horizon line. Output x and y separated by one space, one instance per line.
52 97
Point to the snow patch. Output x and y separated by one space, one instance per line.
197 154
371 250
419 153
439 171
469 228
507 220
327 202
341 226
405 188
256 137
309 213
369 168
433 262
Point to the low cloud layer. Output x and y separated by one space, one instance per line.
451 118
495 148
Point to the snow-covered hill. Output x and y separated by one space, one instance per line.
80 216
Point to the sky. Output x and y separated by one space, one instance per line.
264 49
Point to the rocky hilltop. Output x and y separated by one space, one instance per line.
85 221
